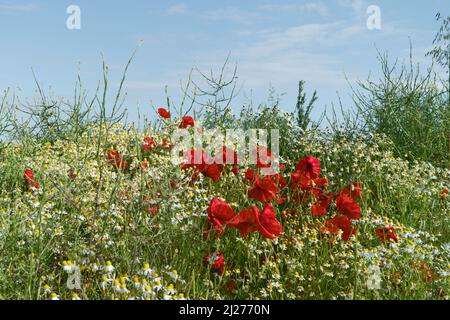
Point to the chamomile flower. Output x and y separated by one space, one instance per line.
75 296
157 285
147 270
47 289
148 292
68 266
105 281
170 289
173 274
54 296
109 268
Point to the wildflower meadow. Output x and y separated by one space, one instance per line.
196 201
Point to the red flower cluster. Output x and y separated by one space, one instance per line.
265 189
308 185
305 181
216 261
263 157
150 144
425 272
347 208
220 215
115 159
186 121
211 167
340 223
251 220
29 179
202 163
386 234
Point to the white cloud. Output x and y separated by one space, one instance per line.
232 14
281 58
177 8
357 6
260 13
304 37
326 55
11 8
314 7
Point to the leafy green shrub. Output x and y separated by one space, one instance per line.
410 108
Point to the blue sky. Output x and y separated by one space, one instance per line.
274 43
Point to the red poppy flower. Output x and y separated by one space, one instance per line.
29 176
279 180
221 210
116 160
386 234
217 262
266 223
219 215
29 179
164 113
247 221
250 175
263 190
212 171
165 144
149 144
320 208
354 190
269 226
199 160
263 157
309 167
305 188
340 223
152 210
279 199
187 121
300 180
348 207
194 159
227 156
